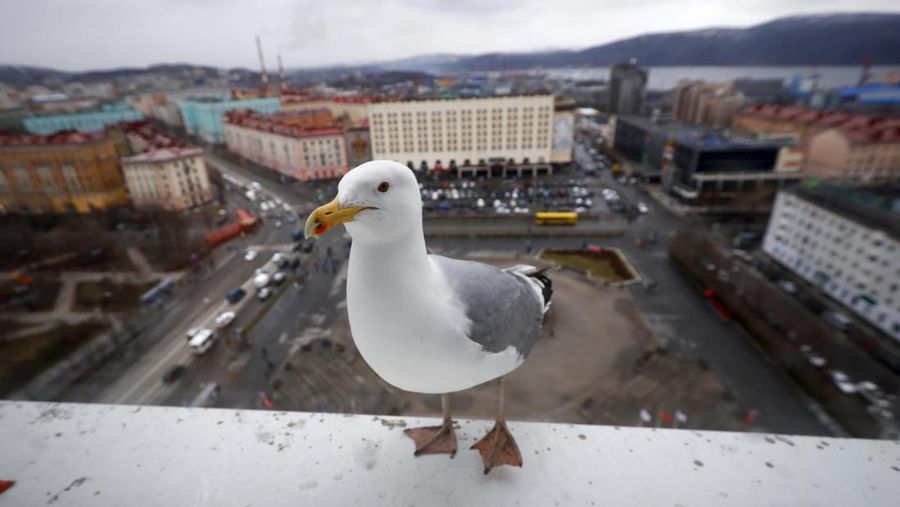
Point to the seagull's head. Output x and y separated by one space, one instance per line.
378 201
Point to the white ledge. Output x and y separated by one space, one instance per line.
76 454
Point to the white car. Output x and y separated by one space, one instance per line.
842 382
278 224
224 319
250 255
642 208
261 280
264 293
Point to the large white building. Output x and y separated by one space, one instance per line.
492 136
846 241
171 179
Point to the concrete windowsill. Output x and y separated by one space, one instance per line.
79 454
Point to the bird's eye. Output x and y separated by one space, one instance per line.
384 186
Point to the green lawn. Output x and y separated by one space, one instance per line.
122 297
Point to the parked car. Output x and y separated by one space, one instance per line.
192 332
173 373
842 381
264 293
250 255
814 358
279 278
838 320
872 393
235 295
788 286
224 319
642 208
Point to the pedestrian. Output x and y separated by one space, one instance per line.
528 246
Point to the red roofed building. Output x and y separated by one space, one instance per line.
857 149
305 145
835 143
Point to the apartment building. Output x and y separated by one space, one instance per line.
283 143
491 136
866 148
66 172
171 179
846 241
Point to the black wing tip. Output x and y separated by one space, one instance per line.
545 282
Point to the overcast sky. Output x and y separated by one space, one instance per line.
96 34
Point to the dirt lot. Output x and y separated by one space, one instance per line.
596 362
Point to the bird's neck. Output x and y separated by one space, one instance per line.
406 254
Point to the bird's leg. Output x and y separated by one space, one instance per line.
499 447
436 439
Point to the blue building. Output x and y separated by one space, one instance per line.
84 121
203 116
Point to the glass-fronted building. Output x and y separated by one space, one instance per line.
203 116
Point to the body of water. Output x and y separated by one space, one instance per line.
665 78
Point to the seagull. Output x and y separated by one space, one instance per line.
427 323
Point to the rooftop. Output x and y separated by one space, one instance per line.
64 137
163 155
289 123
84 454
704 137
146 137
877 207
858 128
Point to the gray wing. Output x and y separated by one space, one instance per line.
503 308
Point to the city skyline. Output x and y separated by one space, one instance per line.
98 34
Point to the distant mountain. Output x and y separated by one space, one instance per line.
834 39
20 75
840 39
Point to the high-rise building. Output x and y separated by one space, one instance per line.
491 136
627 86
846 241
67 172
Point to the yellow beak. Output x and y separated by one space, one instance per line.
329 215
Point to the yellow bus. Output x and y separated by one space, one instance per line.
555 218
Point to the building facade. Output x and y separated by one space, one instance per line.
863 152
845 241
493 136
694 160
627 87
67 172
94 120
700 102
170 179
202 116
278 142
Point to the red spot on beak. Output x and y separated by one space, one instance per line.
321 228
